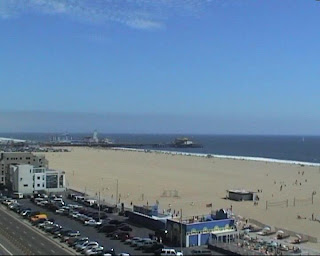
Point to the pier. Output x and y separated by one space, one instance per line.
116 145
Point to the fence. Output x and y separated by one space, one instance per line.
303 201
277 204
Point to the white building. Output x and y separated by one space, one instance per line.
28 179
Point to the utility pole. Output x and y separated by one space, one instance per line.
99 206
117 192
181 230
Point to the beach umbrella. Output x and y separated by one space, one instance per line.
280 232
267 228
298 236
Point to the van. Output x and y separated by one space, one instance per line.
17 195
38 217
166 252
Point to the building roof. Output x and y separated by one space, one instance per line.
240 191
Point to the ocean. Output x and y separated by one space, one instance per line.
292 148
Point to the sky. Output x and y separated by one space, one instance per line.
160 66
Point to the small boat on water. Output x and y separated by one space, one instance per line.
185 143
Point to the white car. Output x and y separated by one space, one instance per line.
89 246
92 222
166 252
94 250
133 240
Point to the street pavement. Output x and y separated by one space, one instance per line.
7 247
23 239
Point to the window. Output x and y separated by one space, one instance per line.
52 181
42 177
25 185
20 179
2 179
38 185
38 177
43 185
30 170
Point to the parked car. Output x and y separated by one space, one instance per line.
80 241
89 245
80 246
167 252
74 240
201 252
153 248
93 248
122 236
134 239
68 235
115 222
92 222
141 243
109 252
107 229
125 228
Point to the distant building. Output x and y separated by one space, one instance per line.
16 158
241 195
28 179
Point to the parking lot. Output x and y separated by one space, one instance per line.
91 232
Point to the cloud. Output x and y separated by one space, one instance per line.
138 14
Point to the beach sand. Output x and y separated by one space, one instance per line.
145 177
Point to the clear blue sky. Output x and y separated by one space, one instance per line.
257 61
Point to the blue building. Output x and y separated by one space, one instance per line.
148 216
199 231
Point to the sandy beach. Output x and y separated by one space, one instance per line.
191 182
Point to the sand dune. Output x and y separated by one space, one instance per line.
145 177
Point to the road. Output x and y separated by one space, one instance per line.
21 239
7 247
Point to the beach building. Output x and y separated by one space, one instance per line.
16 158
242 195
149 216
27 179
201 230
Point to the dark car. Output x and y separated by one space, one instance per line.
125 228
111 233
38 222
120 235
80 241
55 229
110 251
107 228
61 232
201 252
115 222
153 248
74 240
